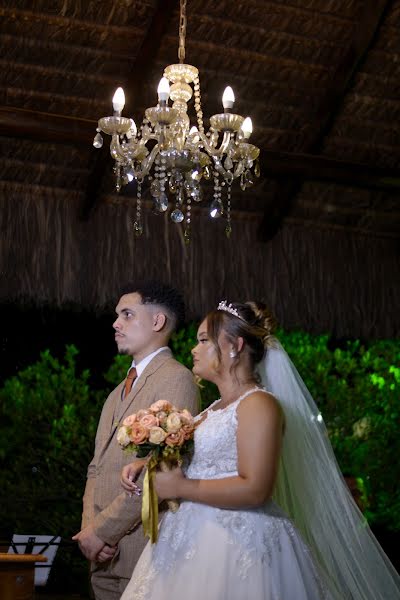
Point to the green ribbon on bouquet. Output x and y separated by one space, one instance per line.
150 502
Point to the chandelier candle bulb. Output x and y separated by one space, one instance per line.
118 101
228 98
247 128
163 91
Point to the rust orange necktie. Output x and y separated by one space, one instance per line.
132 374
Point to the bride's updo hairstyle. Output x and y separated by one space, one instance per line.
253 322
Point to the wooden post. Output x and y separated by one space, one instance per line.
17 575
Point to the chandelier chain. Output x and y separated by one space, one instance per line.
182 31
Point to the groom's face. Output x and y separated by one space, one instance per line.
134 326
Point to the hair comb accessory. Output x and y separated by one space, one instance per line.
229 308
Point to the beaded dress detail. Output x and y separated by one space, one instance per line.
212 553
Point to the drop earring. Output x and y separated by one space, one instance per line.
232 354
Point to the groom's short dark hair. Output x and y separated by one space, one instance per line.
156 292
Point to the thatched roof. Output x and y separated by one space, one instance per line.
320 79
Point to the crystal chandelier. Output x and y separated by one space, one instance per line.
173 157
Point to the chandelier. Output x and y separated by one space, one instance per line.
173 158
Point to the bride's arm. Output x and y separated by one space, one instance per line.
259 436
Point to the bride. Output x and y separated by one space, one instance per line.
264 513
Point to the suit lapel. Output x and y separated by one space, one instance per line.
129 402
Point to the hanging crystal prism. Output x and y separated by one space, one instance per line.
98 141
161 203
177 215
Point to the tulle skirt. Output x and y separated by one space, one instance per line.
206 553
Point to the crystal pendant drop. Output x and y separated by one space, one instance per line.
197 173
137 228
239 169
196 194
257 172
228 164
216 209
161 203
155 189
242 183
207 172
181 196
177 216
186 237
248 178
98 141
228 230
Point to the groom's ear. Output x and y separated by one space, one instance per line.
159 321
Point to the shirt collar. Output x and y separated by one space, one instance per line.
140 366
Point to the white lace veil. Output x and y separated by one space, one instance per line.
312 491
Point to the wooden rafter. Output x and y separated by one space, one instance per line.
373 14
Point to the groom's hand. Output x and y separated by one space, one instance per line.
89 543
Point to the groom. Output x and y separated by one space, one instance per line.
111 535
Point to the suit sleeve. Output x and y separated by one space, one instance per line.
124 513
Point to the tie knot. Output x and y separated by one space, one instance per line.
132 374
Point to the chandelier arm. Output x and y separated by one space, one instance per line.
116 150
210 149
147 163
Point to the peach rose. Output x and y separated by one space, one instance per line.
175 439
157 435
161 405
138 433
130 420
186 417
149 421
188 431
122 437
173 422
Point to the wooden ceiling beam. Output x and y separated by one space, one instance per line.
373 14
44 127
134 84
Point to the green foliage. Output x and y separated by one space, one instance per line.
48 420
357 388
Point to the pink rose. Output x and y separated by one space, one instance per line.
149 421
157 435
130 420
173 422
138 433
186 417
175 439
161 405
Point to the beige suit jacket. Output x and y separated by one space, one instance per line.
114 515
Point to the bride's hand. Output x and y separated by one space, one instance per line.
167 484
130 473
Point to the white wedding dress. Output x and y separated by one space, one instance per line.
207 553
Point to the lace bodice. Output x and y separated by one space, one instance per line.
215 454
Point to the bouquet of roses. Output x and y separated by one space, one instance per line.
164 434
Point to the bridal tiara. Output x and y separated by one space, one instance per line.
229 308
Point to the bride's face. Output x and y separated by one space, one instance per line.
205 357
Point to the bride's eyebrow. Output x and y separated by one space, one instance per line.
201 333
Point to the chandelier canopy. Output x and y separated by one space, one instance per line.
174 157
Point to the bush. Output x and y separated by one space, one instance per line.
48 420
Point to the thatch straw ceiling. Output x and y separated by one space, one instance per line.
320 79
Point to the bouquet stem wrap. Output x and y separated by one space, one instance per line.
150 499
